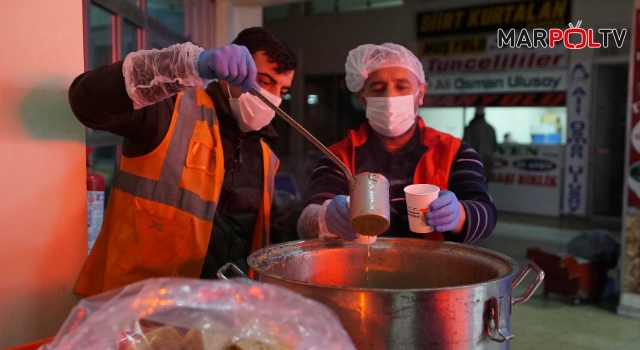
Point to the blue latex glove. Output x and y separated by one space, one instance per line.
338 218
444 212
231 63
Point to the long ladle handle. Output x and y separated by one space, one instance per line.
305 133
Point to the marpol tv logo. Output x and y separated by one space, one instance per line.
573 38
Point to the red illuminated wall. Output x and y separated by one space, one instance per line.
42 167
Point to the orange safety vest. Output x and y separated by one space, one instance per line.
160 213
433 168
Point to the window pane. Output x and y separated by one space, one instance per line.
129 38
169 12
323 6
276 12
352 5
385 3
328 6
100 40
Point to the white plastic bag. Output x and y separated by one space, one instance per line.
155 75
186 314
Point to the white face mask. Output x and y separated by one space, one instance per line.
391 116
250 112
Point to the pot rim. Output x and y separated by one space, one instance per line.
508 260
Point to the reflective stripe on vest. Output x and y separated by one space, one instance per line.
166 189
270 163
159 219
262 232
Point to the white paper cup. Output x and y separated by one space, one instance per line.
419 197
365 239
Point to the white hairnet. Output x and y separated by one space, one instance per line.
367 58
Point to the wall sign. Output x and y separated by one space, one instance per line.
497 60
503 82
488 18
630 296
533 172
633 178
455 46
471 54
496 100
578 96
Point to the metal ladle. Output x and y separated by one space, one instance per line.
368 192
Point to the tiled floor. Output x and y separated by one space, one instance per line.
554 323
541 324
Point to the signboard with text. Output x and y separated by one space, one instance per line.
576 172
528 179
633 177
489 18
480 54
503 82
456 46
526 99
630 256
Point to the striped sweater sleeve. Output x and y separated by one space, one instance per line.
468 183
327 181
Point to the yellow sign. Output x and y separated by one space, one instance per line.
488 18
454 46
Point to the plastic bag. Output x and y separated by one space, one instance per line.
191 314
155 75
595 245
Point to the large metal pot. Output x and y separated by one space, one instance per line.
409 294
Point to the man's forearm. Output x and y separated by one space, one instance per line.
104 98
478 214
461 221
98 97
308 226
151 75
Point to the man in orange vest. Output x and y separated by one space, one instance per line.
195 183
395 142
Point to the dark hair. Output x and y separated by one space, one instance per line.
277 51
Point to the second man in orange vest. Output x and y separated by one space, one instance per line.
395 142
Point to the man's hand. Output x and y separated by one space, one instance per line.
338 218
230 63
445 213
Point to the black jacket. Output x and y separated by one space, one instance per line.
482 137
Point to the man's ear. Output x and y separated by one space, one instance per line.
362 99
423 90
236 91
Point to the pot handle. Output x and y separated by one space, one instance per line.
233 268
532 288
494 316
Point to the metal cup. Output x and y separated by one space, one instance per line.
369 204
